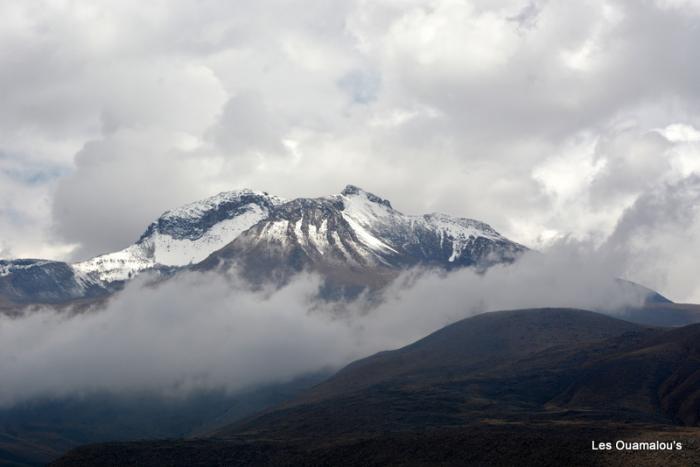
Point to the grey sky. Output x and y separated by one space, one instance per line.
542 118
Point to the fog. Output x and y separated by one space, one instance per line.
204 331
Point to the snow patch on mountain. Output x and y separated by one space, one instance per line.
117 266
462 232
369 240
173 252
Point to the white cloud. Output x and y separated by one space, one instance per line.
680 133
542 118
452 37
659 235
200 332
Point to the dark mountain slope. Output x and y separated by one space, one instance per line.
661 314
506 365
483 444
476 343
38 431
525 364
525 387
660 375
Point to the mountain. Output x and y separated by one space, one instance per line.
356 238
662 314
480 343
521 387
175 240
543 366
503 365
184 236
25 281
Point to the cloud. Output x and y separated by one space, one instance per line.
196 332
246 125
201 332
121 183
362 87
543 119
25 207
659 236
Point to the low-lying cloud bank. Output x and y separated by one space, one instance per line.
200 331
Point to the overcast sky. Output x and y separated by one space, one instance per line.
542 118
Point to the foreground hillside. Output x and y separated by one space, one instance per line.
527 387
482 444
548 364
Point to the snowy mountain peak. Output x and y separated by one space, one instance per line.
352 190
463 225
185 235
192 220
198 209
356 227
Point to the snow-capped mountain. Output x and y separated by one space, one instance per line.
354 238
185 236
358 239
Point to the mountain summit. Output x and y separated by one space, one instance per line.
354 238
185 235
